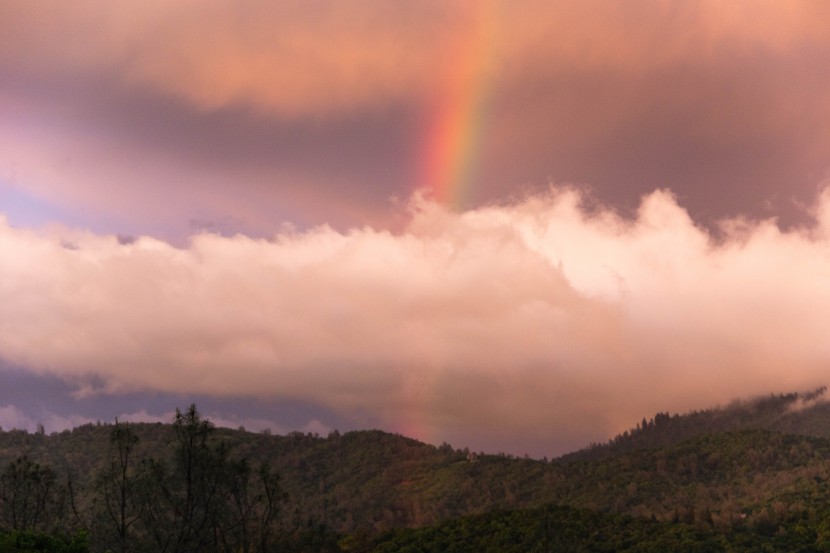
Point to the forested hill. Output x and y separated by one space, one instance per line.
806 414
188 486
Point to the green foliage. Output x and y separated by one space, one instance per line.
806 414
549 528
188 486
118 499
201 498
30 496
27 541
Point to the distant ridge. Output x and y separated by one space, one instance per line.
805 414
751 476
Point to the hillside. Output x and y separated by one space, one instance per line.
758 469
806 414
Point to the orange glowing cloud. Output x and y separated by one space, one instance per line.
297 58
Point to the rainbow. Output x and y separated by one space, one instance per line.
457 121
448 165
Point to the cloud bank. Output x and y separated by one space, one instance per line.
300 58
135 117
539 324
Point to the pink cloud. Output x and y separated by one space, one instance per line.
297 58
626 97
534 317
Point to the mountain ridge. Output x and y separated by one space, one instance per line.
747 467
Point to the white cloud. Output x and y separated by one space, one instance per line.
514 324
13 418
251 424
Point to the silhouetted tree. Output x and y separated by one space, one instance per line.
116 487
30 496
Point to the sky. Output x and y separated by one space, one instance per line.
511 226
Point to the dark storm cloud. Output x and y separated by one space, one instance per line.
737 134
27 399
318 113
174 153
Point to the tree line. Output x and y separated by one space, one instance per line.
198 498
191 487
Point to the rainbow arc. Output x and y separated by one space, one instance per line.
453 138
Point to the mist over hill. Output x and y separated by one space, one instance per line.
806 413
